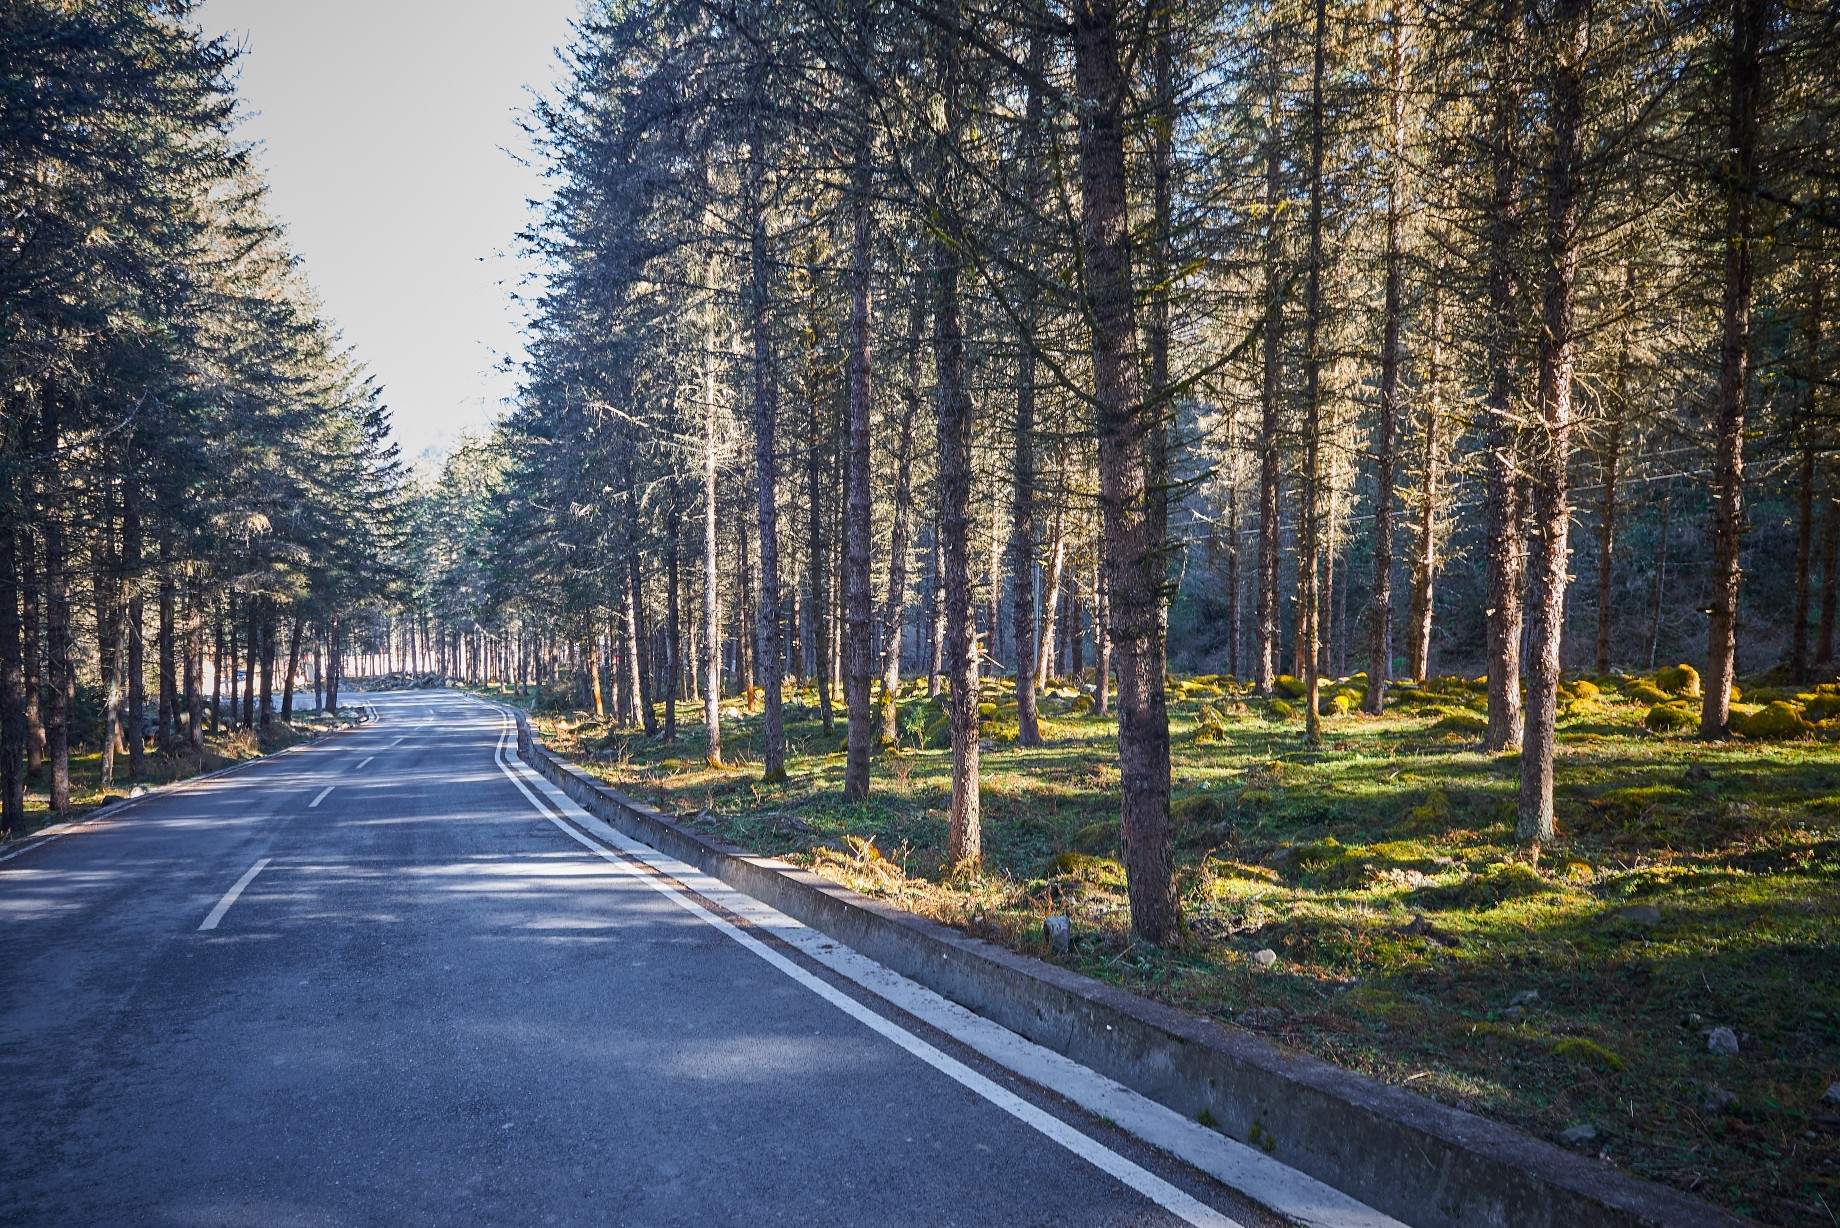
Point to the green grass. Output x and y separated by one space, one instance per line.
1692 886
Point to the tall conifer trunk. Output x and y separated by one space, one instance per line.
858 668
1505 553
1749 23
1265 599
769 657
1128 430
1550 439
896 601
1380 601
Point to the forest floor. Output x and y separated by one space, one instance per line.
87 794
1694 888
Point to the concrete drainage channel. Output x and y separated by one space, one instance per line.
1418 1161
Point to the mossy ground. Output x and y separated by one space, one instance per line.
1693 886
86 792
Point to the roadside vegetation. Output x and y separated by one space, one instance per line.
1577 990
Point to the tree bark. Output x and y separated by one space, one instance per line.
1022 464
1265 601
858 668
293 666
1380 600
820 438
1310 547
673 614
12 687
60 677
1128 430
131 544
770 663
1425 566
1749 22
903 511
1505 560
1830 571
712 576
165 649
1804 501
1550 440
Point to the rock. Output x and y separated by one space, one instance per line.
1639 914
1515 1013
1058 930
1265 1018
1722 1041
1265 958
1578 1135
1716 1099
137 791
1832 1094
1526 997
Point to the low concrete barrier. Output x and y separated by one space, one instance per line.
1422 1162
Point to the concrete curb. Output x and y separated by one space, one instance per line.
1422 1162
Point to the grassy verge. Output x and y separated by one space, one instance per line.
1694 888
87 794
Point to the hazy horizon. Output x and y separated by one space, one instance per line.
388 142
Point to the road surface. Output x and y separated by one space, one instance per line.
370 982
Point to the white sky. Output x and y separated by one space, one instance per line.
389 136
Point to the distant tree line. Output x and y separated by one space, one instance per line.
947 339
195 479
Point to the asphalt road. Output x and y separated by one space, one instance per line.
431 1006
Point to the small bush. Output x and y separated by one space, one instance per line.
1680 679
1209 727
1778 721
1670 717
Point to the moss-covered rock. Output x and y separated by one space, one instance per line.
1199 810
1680 679
1776 722
1486 888
1280 710
1289 687
1086 868
1460 723
1671 717
1341 703
1096 839
1209 727
1589 1053
1647 693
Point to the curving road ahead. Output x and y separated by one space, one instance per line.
374 981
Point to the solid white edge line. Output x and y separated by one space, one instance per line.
223 905
1271 1183
322 797
1144 1182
